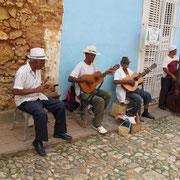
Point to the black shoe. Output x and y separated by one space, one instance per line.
63 136
39 148
162 107
148 115
142 120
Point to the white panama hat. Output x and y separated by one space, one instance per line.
171 48
37 53
91 50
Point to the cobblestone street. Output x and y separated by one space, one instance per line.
151 154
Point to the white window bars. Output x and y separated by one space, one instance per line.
165 15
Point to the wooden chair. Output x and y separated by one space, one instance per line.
83 111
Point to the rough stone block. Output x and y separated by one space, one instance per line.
4 13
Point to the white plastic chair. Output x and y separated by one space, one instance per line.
25 122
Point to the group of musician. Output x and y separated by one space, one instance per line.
28 90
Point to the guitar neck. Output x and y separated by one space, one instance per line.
144 73
115 67
102 75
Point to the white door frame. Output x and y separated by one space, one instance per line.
165 15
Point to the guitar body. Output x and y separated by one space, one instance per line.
130 88
88 88
138 78
97 77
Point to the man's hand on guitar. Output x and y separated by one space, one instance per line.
131 82
88 81
110 71
147 70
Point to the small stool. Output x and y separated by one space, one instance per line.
25 122
118 107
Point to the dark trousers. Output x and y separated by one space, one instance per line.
166 85
35 108
136 97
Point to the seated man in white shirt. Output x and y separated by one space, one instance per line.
102 98
136 96
28 90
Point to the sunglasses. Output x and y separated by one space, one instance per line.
126 63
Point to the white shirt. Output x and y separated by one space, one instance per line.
120 91
25 78
82 69
167 60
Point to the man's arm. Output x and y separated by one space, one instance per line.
110 71
131 82
79 80
28 91
170 74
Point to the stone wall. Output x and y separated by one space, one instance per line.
25 24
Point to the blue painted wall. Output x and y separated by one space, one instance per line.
113 26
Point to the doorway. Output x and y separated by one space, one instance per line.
165 15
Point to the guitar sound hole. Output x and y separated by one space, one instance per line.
136 79
88 85
96 78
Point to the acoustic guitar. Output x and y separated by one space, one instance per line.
138 78
97 77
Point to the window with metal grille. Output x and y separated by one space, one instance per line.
162 14
168 19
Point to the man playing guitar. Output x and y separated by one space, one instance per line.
136 96
102 98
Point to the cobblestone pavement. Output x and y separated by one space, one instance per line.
151 154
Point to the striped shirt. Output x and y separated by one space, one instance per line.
25 78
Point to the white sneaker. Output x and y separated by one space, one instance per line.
100 129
